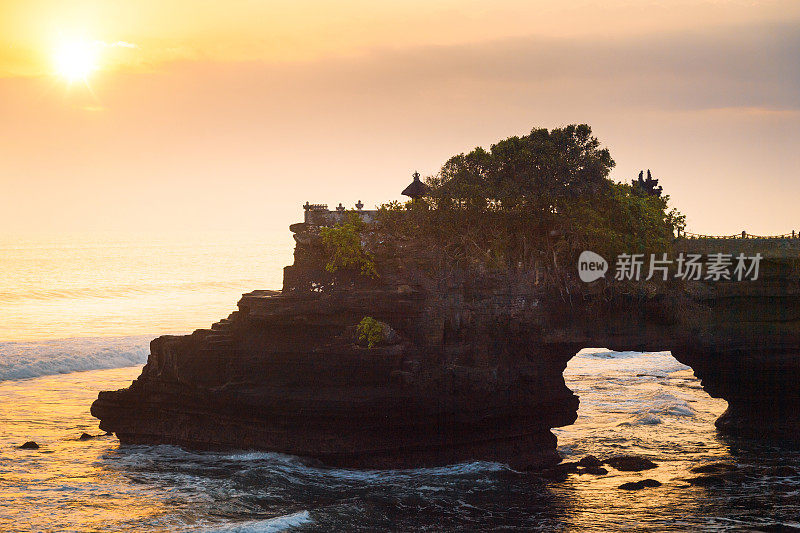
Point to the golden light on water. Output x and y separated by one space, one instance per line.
75 60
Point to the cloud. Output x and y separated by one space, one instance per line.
744 66
122 44
118 44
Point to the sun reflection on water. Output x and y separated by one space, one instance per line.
642 404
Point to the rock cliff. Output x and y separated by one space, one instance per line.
471 367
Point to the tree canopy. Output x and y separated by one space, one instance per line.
540 171
535 198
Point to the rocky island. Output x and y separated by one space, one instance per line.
407 357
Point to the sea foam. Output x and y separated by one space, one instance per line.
272 525
24 359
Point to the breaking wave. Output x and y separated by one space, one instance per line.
272 525
30 359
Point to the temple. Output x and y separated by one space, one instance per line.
417 189
321 215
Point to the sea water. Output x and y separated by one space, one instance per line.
73 334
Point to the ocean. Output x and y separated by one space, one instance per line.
76 317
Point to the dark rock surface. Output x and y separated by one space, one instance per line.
473 368
630 463
714 468
594 470
591 461
30 445
638 485
781 471
713 480
707 481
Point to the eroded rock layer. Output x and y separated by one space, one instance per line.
469 368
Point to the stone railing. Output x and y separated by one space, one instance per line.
320 215
787 245
742 235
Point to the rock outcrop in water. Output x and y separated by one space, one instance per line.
473 371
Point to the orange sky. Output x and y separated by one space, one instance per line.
208 115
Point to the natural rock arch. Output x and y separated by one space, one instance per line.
474 372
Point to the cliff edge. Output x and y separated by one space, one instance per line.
469 363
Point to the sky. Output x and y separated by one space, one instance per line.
199 116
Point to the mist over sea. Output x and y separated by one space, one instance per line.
76 317
91 302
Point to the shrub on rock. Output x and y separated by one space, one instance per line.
372 332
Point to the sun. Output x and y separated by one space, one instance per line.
76 60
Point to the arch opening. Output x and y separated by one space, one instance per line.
640 403
648 404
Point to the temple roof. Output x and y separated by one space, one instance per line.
417 189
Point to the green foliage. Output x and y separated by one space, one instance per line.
541 172
538 199
623 220
345 250
370 331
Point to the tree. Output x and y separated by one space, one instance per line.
540 171
343 245
535 199
623 220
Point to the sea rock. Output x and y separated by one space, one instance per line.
590 460
594 470
475 371
707 481
570 466
638 485
556 473
630 463
777 528
713 480
30 445
781 471
85 436
714 468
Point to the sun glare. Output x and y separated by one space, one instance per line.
76 60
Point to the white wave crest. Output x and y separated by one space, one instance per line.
643 420
272 525
22 360
590 362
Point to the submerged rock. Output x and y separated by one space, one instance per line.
638 485
630 463
781 471
594 470
590 460
712 480
30 445
556 473
707 481
714 468
777 528
86 436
